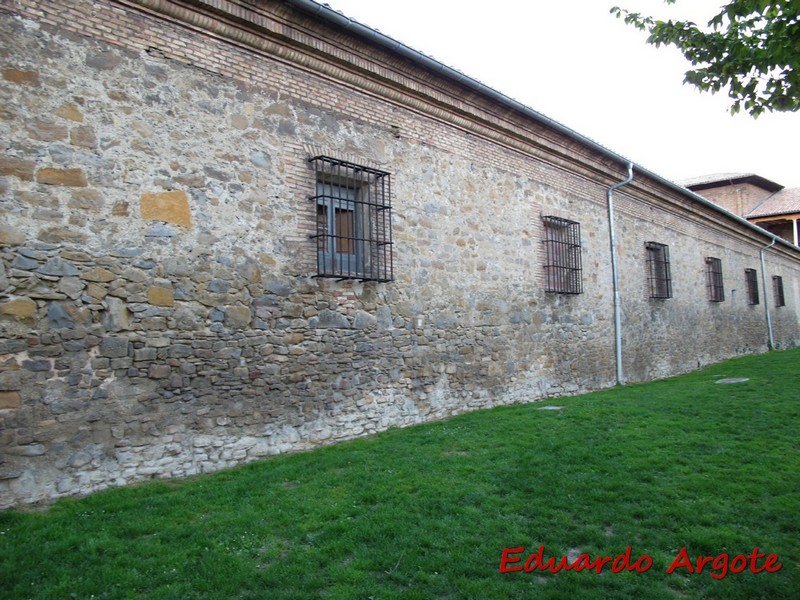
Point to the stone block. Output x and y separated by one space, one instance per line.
11 236
58 235
83 136
330 319
98 275
159 371
170 207
160 296
16 167
58 267
46 131
58 317
70 112
20 77
20 308
10 400
104 60
114 347
238 317
63 177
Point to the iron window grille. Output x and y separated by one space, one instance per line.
562 265
714 285
658 271
777 288
751 283
353 221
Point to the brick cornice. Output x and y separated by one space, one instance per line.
277 31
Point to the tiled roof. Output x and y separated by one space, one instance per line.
723 179
783 202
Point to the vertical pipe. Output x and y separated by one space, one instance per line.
794 228
770 339
615 275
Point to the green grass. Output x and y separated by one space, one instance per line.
426 512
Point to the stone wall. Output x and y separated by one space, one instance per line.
159 314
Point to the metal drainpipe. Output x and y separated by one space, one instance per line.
615 275
761 252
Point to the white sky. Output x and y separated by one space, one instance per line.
576 63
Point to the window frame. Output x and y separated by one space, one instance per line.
777 291
659 275
353 214
563 263
715 285
751 286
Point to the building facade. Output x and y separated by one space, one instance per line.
759 200
232 229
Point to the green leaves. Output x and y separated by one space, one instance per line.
751 48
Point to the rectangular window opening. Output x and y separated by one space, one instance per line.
714 285
777 287
353 221
751 283
658 271
562 265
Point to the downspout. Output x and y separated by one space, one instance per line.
771 339
615 274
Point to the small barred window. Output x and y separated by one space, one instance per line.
354 221
562 256
658 272
777 287
714 285
751 283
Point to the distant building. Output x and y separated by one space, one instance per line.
759 200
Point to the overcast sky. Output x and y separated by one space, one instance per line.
576 63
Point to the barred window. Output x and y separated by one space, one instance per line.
354 221
562 265
751 283
658 272
777 288
716 291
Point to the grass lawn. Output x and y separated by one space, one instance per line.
426 512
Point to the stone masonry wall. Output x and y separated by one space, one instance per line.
159 314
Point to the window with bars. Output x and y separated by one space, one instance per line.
777 289
716 291
751 284
658 272
353 221
562 265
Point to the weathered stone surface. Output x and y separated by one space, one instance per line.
238 317
71 286
160 296
71 112
11 236
331 319
58 317
170 207
83 136
17 167
28 450
117 316
104 60
19 308
21 77
63 177
46 131
114 347
58 267
60 234
10 400
98 275
160 230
